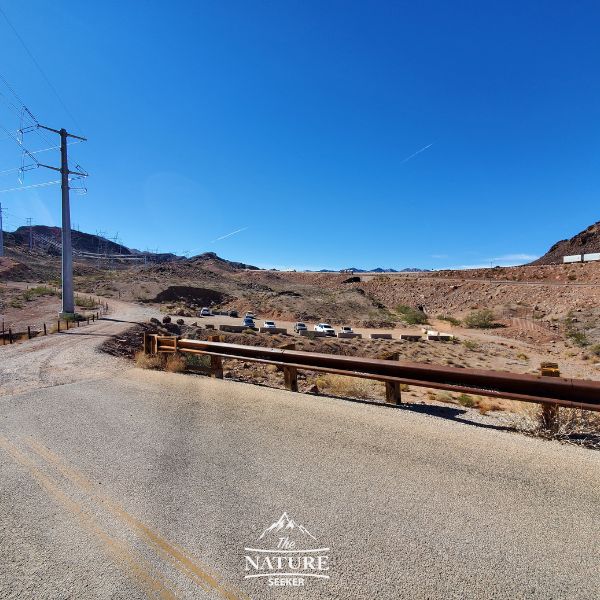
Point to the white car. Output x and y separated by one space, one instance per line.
269 325
346 329
325 328
205 312
250 315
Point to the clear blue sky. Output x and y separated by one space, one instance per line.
298 122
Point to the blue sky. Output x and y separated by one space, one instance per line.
326 134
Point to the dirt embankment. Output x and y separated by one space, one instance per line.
437 295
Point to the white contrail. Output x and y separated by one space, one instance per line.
417 152
229 234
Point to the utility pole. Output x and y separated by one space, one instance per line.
68 298
1 233
30 233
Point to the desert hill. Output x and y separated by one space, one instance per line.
585 242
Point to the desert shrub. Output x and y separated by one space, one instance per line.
444 397
470 345
522 356
451 320
352 387
578 337
85 302
595 349
466 400
147 361
175 363
15 303
197 361
571 277
36 292
574 426
412 316
480 319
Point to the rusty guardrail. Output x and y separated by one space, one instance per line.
542 389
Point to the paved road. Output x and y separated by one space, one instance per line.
134 484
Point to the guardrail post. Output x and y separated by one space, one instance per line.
290 374
216 362
392 388
146 343
290 377
58 326
28 332
45 332
9 335
549 415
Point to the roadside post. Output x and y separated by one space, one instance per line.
549 416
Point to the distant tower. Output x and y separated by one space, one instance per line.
30 233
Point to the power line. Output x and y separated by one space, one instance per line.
35 62
33 185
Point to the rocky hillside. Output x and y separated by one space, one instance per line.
584 242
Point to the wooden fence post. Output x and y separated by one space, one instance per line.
67 322
216 362
28 332
9 335
392 388
549 414
58 326
45 332
290 374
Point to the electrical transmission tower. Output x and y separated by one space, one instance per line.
68 298
30 233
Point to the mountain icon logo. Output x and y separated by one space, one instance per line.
286 525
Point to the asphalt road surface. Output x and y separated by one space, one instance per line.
123 483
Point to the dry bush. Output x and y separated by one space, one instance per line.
175 363
574 425
147 361
352 387
486 405
444 397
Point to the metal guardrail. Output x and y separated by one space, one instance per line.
551 391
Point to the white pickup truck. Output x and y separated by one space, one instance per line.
325 328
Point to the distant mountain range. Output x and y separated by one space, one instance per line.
376 270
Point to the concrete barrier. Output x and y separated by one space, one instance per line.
273 330
346 336
233 328
381 336
410 337
439 337
308 333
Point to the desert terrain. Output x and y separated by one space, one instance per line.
532 313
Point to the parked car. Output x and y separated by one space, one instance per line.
298 327
233 313
346 329
325 328
269 325
250 315
205 312
248 322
